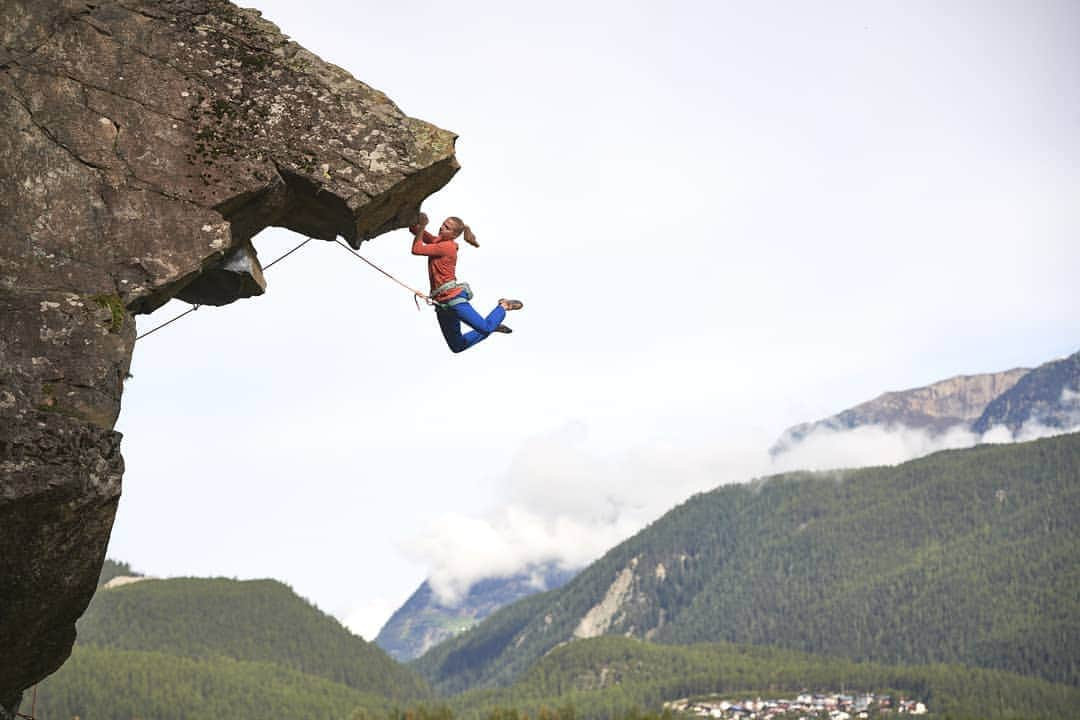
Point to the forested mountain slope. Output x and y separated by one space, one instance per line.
597 679
963 556
614 676
103 683
255 621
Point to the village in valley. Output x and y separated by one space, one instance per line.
834 706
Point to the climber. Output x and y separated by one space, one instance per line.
451 298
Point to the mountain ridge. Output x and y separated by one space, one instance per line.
935 408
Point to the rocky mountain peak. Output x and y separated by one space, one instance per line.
937 407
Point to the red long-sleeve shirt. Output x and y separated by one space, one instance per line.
442 261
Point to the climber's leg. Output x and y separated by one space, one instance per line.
450 320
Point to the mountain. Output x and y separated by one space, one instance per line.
957 401
425 621
1048 395
259 621
964 556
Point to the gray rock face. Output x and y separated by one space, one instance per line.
142 144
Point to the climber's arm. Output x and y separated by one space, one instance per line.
424 243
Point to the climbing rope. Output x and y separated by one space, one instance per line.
33 708
193 308
417 295
275 262
190 310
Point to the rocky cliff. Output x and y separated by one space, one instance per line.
935 408
143 143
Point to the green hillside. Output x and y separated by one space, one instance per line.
602 679
961 557
615 677
101 683
258 621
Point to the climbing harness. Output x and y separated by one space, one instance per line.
417 295
465 296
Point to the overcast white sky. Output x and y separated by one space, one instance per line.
724 218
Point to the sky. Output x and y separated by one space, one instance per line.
723 218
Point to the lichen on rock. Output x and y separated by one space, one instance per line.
143 144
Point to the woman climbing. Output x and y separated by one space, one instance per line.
450 296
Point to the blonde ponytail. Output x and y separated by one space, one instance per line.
470 237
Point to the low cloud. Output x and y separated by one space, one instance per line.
368 618
563 502
567 502
825 448
461 550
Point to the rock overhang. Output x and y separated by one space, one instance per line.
144 145
209 110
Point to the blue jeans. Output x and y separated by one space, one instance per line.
450 319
